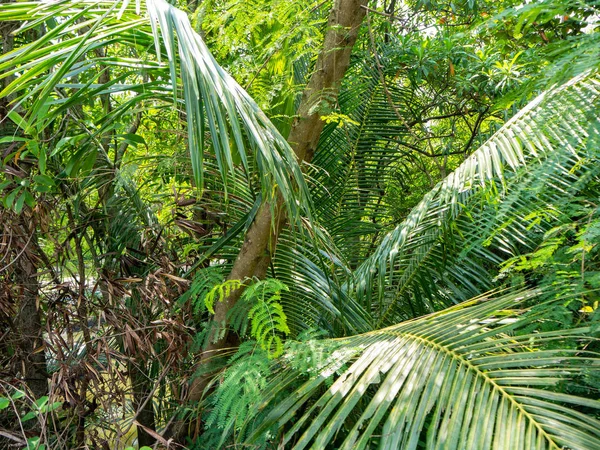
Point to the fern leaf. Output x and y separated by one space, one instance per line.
235 399
268 320
219 292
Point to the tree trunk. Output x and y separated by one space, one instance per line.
320 93
28 322
142 391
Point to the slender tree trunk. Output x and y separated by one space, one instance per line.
141 385
28 322
321 92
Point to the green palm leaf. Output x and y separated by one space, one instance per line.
215 105
315 274
352 159
424 263
468 377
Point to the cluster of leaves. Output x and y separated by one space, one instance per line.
267 46
260 303
500 202
566 257
21 409
429 81
478 364
240 389
258 314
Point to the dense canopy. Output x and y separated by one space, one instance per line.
340 224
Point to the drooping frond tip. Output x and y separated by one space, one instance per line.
238 129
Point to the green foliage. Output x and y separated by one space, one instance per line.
23 409
103 102
260 305
479 364
477 213
22 187
204 282
567 256
258 314
561 35
220 292
40 406
240 133
241 389
267 46
33 443
315 356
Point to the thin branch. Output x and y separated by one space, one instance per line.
475 129
440 117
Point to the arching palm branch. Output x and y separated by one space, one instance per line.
213 101
473 376
437 255
165 58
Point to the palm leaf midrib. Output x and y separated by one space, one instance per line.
482 374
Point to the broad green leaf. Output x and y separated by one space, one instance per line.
20 203
30 415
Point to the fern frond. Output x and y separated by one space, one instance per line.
219 292
260 307
241 388
202 284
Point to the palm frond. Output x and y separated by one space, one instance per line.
211 91
351 161
314 270
421 263
215 104
468 377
